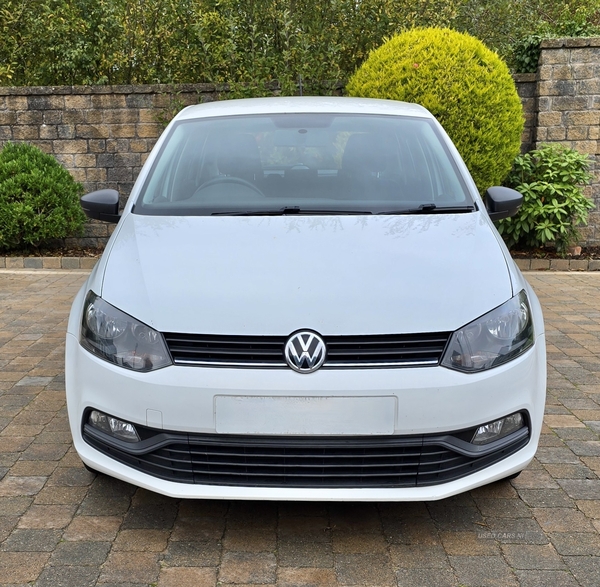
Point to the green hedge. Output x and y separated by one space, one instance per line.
39 200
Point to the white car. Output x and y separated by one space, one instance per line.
306 299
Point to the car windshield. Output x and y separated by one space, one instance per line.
303 163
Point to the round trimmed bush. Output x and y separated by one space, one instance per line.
467 87
39 199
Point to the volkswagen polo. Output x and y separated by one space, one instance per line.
305 299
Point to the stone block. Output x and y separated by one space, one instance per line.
78 174
148 114
120 116
32 263
51 262
85 160
89 131
7 117
138 146
70 146
589 147
96 145
48 132
562 72
109 101
119 174
6 133
550 118
121 131
570 102
578 264
149 130
583 71
585 55
539 264
140 101
69 262
557 133
16 103
586 117
95 174
52 116
65 131
557 88
73 117
77 102
25 133
588 87
45 102
577 133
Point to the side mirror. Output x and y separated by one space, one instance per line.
102 205
502 202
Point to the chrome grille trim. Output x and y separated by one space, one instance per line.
343 352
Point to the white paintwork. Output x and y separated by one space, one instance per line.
249 275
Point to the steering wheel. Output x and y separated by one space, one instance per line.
229 179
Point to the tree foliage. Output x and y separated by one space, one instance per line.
52 42
467 87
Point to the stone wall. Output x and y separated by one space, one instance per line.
103 134
568 108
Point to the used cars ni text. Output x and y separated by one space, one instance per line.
306 299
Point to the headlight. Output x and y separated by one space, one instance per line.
120 339
496 338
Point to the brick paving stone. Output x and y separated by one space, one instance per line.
250 539
301 553
99 528
198 529
293 577
426 577
581 488
80 553
47 516
247 567
31 540
408 556
138 567
532 556
411 531
192 554
546 579
576 543
586 569
469 543
348 542
363 569
68 577
141 540
187 577
22 567
546 498
483 571
562 520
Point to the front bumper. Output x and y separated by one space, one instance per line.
424 403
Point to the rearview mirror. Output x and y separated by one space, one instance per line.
502 202
102 205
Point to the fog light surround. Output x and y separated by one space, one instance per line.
113 426
498 429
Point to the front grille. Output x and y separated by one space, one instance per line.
389 350
317 462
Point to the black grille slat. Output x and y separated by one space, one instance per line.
325 462
342 351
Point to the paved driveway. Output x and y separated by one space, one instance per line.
62 526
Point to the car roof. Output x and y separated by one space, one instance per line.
303 104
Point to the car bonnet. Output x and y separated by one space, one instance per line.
332 274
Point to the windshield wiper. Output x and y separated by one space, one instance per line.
431 209
290 210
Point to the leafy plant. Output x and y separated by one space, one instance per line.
467 87
551 180
39 200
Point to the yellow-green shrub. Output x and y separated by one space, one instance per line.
467 87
